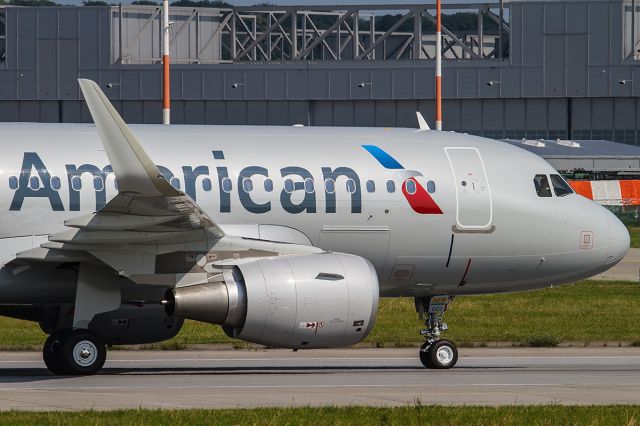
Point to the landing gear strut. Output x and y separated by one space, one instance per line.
435 353
74 352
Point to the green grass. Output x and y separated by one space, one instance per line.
590 311
413 415
634 232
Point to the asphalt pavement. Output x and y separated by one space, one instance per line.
377 377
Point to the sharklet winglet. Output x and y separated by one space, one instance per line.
134 170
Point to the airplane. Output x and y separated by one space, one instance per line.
284 236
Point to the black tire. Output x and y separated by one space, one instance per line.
52 352
440 355
82 353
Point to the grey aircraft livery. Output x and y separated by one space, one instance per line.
284 236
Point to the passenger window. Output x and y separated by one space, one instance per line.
268 185
431 187
560 186
175 182
34 183
330 186
542 186
288 186
76 183
351 186
206 184
98 183
391 186
227 185
13 182
371 186
55 183
247 185
410 186
309 186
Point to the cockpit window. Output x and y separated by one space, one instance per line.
542 186
560 186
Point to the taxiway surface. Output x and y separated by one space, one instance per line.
380 377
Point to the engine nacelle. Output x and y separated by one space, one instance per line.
309 301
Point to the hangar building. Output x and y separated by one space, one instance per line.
563 69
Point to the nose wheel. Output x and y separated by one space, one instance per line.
436 353
440 355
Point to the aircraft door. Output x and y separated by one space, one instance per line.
473 195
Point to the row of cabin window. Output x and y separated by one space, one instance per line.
227 185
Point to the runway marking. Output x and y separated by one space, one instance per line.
302 386
342 359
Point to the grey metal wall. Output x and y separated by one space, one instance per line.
562 79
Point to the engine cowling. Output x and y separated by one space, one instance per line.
309 301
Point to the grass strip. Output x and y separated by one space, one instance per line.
404 416
589 311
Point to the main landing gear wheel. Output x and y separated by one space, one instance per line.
435 353
440 355
74 352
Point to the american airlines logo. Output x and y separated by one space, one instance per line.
299 192
419 198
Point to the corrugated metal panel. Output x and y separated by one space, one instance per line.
554 70
576 63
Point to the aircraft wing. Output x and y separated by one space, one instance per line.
150 232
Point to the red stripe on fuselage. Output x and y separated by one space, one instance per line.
421 202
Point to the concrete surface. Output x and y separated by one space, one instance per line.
627 270
379 377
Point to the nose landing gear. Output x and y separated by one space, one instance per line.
435 353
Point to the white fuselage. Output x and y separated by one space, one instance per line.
482 227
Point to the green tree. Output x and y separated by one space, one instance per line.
202 3
31 3
145 3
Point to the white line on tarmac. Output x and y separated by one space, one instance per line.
303 386
329 358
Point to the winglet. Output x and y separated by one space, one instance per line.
422 123
134 170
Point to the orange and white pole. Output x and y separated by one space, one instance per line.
438 66
166 94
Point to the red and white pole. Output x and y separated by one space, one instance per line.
166 94
438 66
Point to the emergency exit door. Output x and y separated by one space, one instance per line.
474 209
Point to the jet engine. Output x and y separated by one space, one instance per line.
307 301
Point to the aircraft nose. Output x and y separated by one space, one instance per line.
618 240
